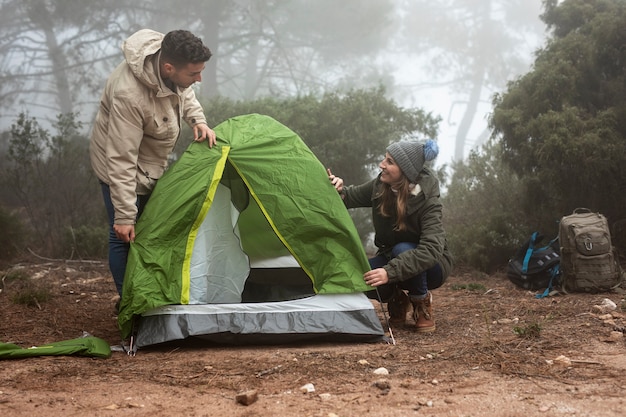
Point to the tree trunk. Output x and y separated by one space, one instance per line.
211 38
40 15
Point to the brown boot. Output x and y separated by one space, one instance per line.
398 306
423 314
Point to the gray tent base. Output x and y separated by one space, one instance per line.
322 317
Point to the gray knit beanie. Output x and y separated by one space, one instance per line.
411 156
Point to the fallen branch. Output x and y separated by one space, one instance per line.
586 362
63 260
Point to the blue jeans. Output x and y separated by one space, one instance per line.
417 285
118 250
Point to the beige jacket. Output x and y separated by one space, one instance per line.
138 124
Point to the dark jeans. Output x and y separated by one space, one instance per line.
118 250
417 285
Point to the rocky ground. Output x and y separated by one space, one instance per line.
497 351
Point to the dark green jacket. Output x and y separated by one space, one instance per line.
424 227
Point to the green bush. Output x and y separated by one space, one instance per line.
484 219
86 242
13 235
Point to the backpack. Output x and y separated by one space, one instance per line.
588 261
533 267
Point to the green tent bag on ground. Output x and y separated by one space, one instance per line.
83 346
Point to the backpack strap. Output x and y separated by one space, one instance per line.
554 272
529 252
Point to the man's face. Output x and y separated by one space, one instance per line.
184 77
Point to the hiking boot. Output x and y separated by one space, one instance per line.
423 314
398 306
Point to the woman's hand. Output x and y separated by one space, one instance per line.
376 277
335 181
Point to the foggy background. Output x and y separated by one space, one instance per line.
447 57
349 77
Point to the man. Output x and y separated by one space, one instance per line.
138 123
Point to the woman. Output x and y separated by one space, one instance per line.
407 216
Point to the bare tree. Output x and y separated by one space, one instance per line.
53 52
280 48
57 54
474 48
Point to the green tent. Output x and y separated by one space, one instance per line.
252 220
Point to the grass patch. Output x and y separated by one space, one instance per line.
470 287
32 297
25 290
531 331
15 276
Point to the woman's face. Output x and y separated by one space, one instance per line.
390 171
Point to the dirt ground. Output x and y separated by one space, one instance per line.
497 351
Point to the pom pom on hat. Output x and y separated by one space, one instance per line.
431 150
411 156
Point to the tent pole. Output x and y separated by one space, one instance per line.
385 315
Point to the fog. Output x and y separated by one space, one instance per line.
447 57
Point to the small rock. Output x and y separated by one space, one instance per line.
307 388
609 323
325 396
605 307
563 361
434 382
363 362
615 336
382 384
381 371
247 397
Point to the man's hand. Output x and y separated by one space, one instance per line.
201 132
125 232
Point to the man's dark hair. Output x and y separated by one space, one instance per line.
181 47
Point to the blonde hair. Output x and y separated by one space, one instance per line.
394 198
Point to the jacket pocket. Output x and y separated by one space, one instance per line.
165 126
147 175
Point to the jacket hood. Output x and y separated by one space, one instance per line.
137 48
429 183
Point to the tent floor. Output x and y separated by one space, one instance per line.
322 317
